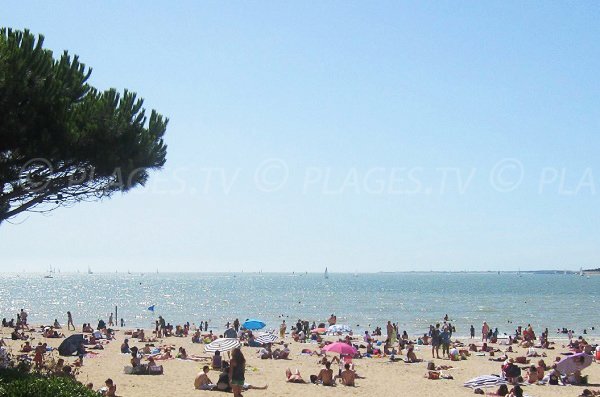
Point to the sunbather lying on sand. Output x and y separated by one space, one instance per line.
293 377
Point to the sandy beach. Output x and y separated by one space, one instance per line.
381 377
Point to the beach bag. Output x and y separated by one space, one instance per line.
155 370
521 360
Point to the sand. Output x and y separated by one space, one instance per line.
382 378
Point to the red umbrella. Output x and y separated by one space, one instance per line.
319 330
341 348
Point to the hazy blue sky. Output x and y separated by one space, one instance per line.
359 136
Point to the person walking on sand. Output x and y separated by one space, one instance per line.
110 321
237 369
435 341
70 321
472 332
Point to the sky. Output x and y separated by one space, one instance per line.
361 136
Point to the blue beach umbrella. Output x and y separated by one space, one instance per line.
253 324
151 308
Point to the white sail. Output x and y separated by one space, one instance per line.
326 273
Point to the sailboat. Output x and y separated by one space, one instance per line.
326 274
90 270
581 272
50 271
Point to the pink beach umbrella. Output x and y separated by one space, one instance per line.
341 348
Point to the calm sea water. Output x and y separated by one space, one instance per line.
362 301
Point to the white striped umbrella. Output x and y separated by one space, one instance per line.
334 329
486 381
266 338
222 345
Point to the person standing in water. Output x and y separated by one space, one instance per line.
485 329
282 329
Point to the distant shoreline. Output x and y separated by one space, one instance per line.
557 272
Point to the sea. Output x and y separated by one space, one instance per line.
361 301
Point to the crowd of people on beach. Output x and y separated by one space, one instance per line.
390 344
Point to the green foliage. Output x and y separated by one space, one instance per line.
62 140
15 383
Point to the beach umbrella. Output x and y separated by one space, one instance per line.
222 345
70 345
570 364
341 348
334 329
253 324
319 330
230 333
265 338
486 381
